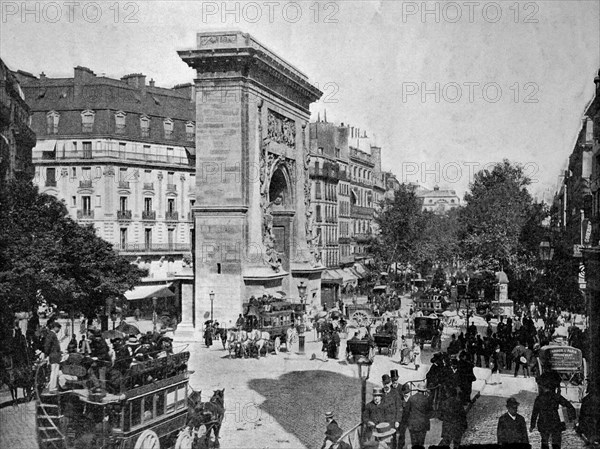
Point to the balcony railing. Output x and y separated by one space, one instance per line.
103 153
87 154
148 215
148 186
172 216
83 213
50 182
85 184
123 215
153 247
361 210
123 184
171 187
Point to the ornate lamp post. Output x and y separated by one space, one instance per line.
364 369
301 337
154 299
211 295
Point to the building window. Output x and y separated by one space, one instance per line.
147 205
87 121
169 155
147 175
145 126
123 203
122 150
86 205
146 152
190 131
318 190
86 173
87 150
168 127
318 210
74 201
337 152
120 122
148 238
52 119
98 172
74 172
170 205
170 237
123 238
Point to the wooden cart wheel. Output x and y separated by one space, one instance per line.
184 440
360 317
148 439
393 348
277 345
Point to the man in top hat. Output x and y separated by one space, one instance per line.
396 388
375 412
390 400
417 414
512 428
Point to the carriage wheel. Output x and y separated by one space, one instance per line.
292 337
393 348
148 439
277 345
185 439
360 317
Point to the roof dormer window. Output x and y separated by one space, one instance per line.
168 126
190 131
87 121
52 119
145 126
120 122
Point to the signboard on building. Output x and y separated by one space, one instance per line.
577 251
586 231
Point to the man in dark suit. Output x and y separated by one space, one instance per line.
545 415
512 429
417 414
396 388
375 412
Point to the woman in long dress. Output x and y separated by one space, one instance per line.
416 350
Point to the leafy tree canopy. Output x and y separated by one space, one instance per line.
47 255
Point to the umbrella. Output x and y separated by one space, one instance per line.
128 329
281 293
112 334
321 314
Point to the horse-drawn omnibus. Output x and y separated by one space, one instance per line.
149 409
279 319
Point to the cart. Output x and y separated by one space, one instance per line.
360 314
567 366
359 348
278 319
427 330
389 342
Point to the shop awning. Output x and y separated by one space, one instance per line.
360 268
45 146
331 277
149 292
348 277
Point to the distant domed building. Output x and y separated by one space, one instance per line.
438 201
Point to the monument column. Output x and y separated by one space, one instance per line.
249 215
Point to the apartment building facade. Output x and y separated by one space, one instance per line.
121 154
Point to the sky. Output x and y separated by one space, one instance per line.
446 88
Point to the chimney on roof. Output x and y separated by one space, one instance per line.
318 117
42 75
151 82
436 188
342 124
136 80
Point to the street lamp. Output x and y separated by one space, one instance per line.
301 337
364 369
154 299
211 295
546 251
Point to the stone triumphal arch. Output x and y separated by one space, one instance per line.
253 226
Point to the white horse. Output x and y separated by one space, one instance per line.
259 339
237 342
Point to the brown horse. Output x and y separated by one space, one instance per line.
16 377
206 415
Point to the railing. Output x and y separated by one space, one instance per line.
86 184
361 210
123 215
102 153
123 184
155 247
50 183
148 186
82 213
148 215
172 216
171 187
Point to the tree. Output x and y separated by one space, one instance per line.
47 255
498 208
400 222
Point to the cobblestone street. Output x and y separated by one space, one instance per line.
483 416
